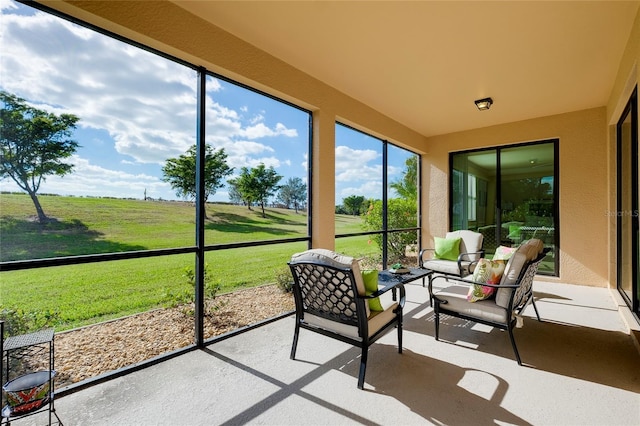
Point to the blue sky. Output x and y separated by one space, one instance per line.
137 110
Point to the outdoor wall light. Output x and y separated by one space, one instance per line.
483 104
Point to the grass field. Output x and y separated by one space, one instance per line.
77 295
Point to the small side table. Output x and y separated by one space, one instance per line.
386 277
21 346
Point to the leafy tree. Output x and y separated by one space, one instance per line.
294 192
234 195
33 145
407 186
354 204
401 213
256 185
181 172
241 187
340 210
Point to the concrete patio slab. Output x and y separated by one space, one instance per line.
581 368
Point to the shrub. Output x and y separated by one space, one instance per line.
188 296
370 262
19 321
284 279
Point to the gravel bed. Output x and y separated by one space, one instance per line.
90 351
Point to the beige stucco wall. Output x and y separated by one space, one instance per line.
583 185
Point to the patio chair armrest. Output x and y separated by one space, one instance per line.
470 282
467 256
421 255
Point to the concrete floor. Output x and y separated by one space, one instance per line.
582 368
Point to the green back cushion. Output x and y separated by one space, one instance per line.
447 248
370 278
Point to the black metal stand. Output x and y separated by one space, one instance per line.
21 346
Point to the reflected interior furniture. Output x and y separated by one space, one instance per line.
509 234
513 294
471 251
330 299
21 347
489 239
544 233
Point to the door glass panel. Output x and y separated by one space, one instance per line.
508 195
474 196
527 196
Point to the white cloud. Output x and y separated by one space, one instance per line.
370 189
239 161
145 103
7 5
352 165
260 130
248 148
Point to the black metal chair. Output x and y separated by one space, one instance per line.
330 299
513 294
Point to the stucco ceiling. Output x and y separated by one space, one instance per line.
423 63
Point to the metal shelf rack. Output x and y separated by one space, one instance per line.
23 346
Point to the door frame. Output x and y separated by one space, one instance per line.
630 110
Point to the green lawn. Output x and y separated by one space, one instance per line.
77 295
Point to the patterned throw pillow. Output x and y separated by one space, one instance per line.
487 271
504 253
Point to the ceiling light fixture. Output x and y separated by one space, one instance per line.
484 104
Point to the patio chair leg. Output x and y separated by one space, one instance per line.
400 336
535 308
295 342
513 343
437 315
363 367
430 290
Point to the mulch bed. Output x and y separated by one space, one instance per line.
90 351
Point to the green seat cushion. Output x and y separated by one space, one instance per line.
447 248
370 278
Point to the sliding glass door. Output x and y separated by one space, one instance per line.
627 205
508 194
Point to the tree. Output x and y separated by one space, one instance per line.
241 187
294 192
256 185
407 186
401 213
181 172
234 195
354 204
33 145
